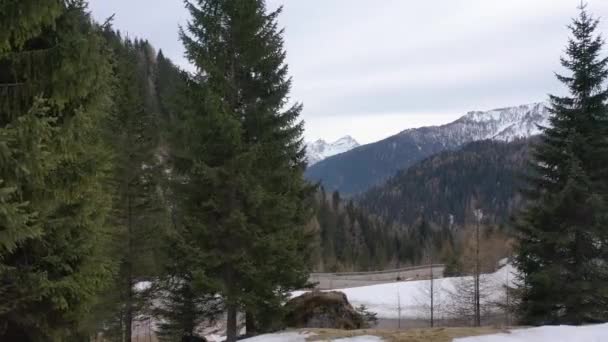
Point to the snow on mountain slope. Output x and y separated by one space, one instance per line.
320 149
505 124
357 170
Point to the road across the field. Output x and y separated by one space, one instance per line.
330 281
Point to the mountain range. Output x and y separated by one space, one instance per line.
359 169
320 149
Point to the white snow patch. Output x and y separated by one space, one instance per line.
215 338
142 286
281 337
366 338
562 333
321 149
301 337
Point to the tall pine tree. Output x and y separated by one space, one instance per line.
563 236
240 160
54 88
138 216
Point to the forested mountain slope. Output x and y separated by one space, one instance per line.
361 168
350 239
446 188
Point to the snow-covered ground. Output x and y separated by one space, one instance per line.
590 333
366 338
563 333
301 337
281 337
412 298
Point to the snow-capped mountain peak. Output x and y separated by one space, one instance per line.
321 149
507 124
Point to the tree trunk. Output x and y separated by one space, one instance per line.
250 324
231 324
121 326
477 275
432 295
129 316
129 280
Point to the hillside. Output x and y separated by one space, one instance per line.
358 170
446 188
351 240
434 200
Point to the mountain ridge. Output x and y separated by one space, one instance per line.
321 149
361 168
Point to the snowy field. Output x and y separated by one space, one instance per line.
301 337
412 298
281 337
590 333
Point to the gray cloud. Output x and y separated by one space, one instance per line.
371 68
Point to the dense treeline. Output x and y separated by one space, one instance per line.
348 238
55 165
139 216
351 238
84 117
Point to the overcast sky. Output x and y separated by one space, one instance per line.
373 68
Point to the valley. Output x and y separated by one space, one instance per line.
292 171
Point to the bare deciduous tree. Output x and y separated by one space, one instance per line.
430 301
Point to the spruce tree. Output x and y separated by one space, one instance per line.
169 86
186 295
24 19
54 87
563 240
241 158
138 216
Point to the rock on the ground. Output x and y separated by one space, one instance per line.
323 310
